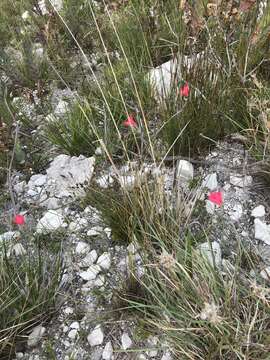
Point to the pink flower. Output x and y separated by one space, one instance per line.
19 220
184 90
216 198
130 122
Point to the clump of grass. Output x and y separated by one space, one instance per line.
200 312
28 289
131 212
75 132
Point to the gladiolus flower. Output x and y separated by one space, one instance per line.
184 90
130 122
216 198
19 220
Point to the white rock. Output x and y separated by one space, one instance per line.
126 341
67 176
9 235
100 281
19 355
25 15
51 204
72 334
262 231
95 231
61 108
38 51
108 231
82 248
210 207
184 170
91 273
108 351
241 181
265 273
68 310
37 180
74 226
236 212
210 182
74 325
141 357
162 78
152 341
35 336
167 355
96 336
89 259
127 181
212 252
52 220
42 7
20 187
104 261
16 249
98 151
258 211
104 181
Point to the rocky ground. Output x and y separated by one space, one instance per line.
94 267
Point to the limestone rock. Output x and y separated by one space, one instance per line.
126 341
108 351
184 170
91 273
52 220
35 336
258 211
212 252
262 231
96 336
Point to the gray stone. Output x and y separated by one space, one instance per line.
258 211
82 248
73 334
210 182
265 273
61 108
89 259
67 176
74 325
51 221
211 252
9 236
16 249
104 261
20 187
108 351
184 170
167 355
126 341
35 336
236 212
262 231
241 181
96 336
91 273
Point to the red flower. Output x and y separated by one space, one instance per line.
130 122
184 90
19 220
216 198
